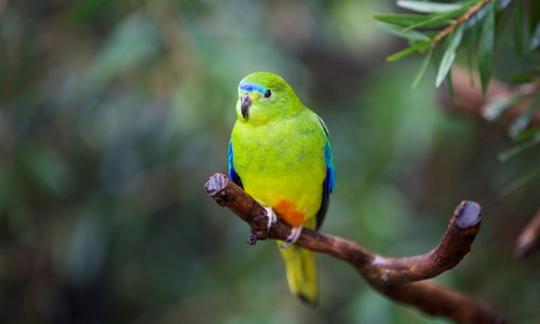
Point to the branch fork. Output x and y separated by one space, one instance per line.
400 279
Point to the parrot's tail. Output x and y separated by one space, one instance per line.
301 273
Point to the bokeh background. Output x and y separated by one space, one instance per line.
114 113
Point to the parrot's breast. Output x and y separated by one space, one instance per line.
282 165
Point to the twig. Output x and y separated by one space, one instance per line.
460 20
396 278
529 239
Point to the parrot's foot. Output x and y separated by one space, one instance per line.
272 218
258 234
293 237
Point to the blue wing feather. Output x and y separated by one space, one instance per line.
329 181
232 172
330 170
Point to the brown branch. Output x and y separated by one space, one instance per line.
460 20
529 239
397 278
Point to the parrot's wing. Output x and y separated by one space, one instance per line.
232 172
328 184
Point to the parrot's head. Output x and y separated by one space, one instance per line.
264 97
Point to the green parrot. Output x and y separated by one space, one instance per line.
280 153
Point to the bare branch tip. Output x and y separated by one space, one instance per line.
215 184
468 214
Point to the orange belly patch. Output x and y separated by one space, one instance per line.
287 211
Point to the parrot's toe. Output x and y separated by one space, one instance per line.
272 218
293 237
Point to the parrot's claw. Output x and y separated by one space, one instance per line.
293 237
272 218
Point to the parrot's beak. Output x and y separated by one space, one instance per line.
245 103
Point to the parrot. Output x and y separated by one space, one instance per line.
280 153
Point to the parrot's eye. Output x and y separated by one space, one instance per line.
267 93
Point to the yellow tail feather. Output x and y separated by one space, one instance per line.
301 273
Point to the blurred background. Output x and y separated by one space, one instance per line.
114 113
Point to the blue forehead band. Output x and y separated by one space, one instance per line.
249 87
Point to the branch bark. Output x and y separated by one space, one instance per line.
401 279
459 21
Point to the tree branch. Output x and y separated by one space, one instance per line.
459 21
396 278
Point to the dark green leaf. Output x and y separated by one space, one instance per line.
520 78
428 7
401 20
501 4
436 20
472 53
521 123
486 47
423 69
417 47
528 133
518 28
507 155
534 14
411 35
477 17
502 19
535 39
449 55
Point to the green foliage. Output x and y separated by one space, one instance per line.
411 21
449 55
437 22
486 46
428 7
474 27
